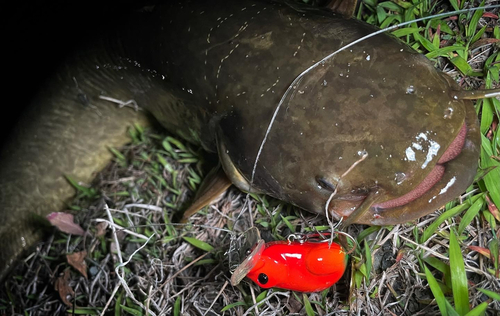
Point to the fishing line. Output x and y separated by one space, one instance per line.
299 78
166 224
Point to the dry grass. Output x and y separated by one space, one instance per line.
170 273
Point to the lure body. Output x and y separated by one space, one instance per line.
299 266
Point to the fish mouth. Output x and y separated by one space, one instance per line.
433 177
450 177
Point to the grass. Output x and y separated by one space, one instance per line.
459 225
445 263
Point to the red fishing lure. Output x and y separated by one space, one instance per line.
299 266
304 265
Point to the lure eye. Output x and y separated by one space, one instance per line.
263 278
325 184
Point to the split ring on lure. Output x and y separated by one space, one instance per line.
303 265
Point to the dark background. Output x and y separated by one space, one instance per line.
36 36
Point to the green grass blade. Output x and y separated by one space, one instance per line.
426 43
391 6
436 291
493 295
444 51
486 115
441 267
471 28
87 192
228 307
470 215
368 256
446 215
493 246
199 244
450 310
458 277
85 311
177 306
307 305
454 4
131 311
444 27
479 310
462 65
491 178
406 31
370 230
478 35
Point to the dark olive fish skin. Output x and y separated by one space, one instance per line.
214 74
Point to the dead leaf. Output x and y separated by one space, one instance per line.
101 229
77 261
400 255
484 41
493 208
483 251
490 15
62 286
65 223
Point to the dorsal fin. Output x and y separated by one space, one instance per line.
344 7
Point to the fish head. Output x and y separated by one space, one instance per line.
373 119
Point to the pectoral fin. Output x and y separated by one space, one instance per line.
214 184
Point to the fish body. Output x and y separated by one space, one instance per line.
217 74
299 266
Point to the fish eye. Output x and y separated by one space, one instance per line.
263 278
325 184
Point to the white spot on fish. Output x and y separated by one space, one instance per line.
448 113
410 154
298 47
368 57
448 185
400 177
433 150
421 136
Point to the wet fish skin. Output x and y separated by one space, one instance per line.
214 75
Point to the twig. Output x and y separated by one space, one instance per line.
115 226
119 268
215 299
287 294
